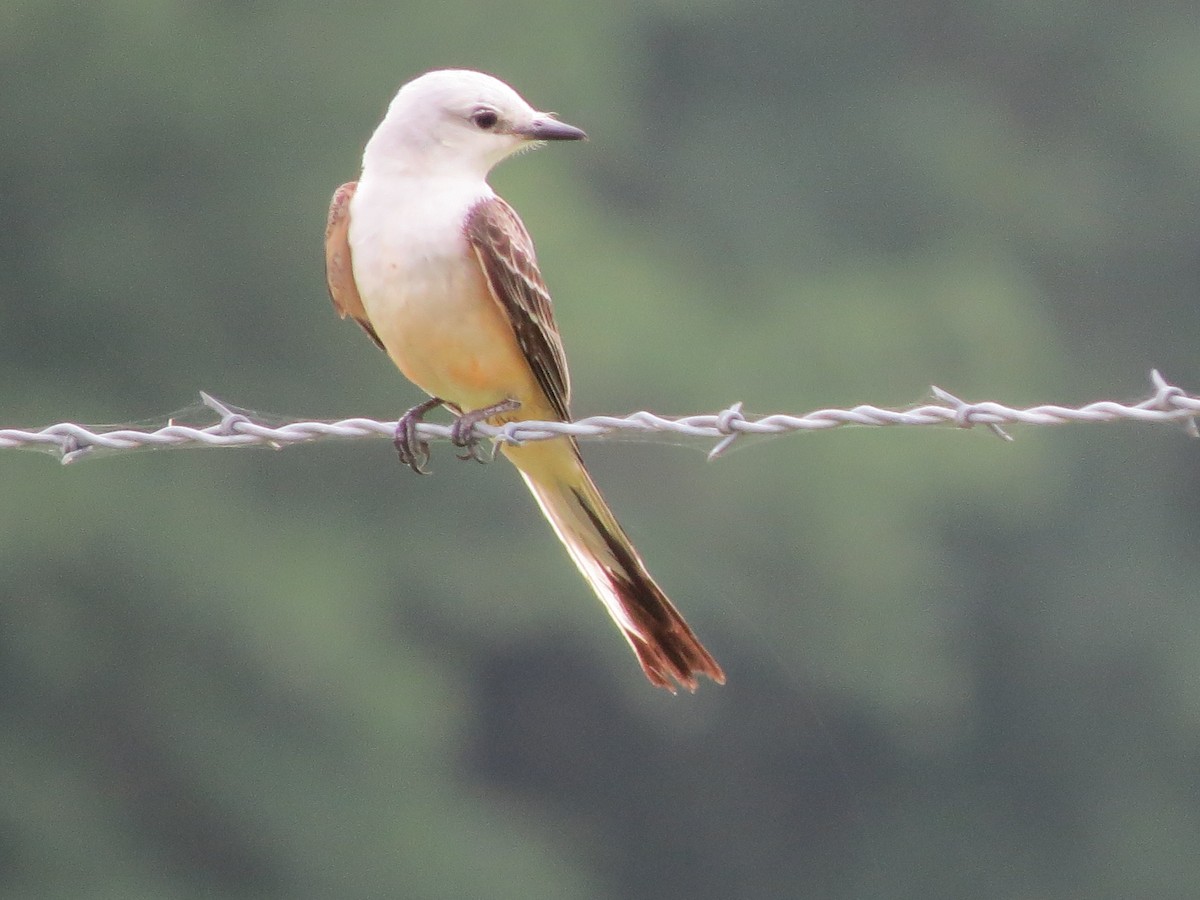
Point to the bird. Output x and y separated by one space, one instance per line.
441 274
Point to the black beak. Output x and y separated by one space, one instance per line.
544 128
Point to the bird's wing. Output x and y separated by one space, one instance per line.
505 252
339 274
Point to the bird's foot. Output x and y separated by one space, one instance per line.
462 432
413 449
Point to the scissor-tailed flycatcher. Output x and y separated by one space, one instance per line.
441 274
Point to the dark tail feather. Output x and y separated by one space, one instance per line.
665 645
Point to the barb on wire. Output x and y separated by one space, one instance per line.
243 428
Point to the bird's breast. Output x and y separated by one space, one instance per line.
426 295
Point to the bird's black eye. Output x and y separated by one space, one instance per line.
485 119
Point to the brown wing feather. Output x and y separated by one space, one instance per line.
505 251
338 272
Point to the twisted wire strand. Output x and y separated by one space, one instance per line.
238 428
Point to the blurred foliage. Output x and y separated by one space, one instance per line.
957 668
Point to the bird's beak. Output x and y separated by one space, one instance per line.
547 128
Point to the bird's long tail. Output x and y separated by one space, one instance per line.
662 640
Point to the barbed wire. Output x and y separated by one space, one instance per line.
238 427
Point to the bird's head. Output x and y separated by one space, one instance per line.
459 122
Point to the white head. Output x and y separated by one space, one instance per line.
458 122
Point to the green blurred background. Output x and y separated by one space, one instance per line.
957 667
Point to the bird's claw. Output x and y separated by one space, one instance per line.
411 447
414 450
462 432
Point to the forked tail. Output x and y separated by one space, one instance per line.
662 640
